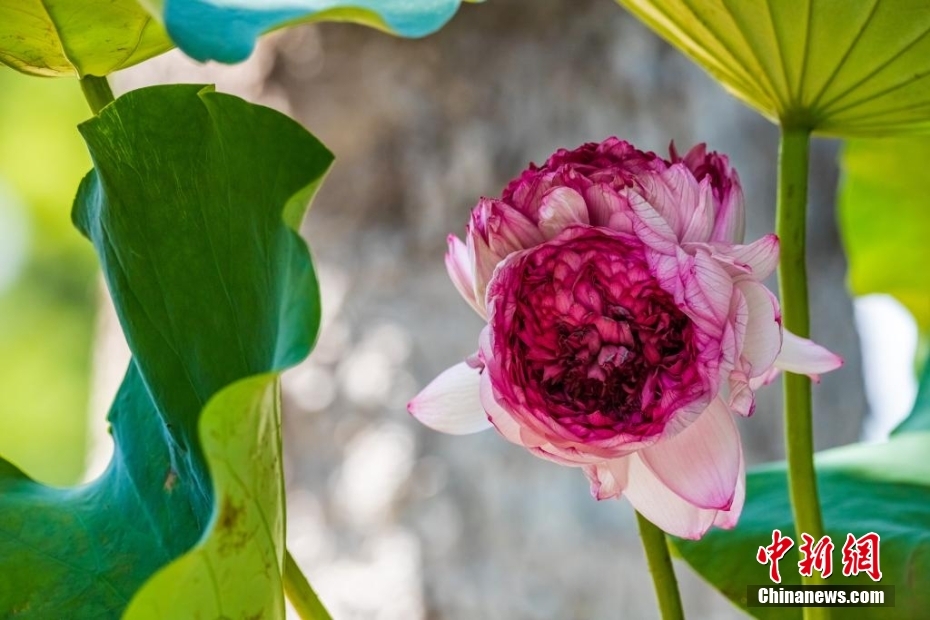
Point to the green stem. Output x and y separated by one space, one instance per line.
299 592
97 92
660 566
791 226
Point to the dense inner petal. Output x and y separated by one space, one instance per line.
593 342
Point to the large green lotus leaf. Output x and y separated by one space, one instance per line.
840 67
235 571
884 214
216 293
882 488
226 30
77 37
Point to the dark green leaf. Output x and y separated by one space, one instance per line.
215 293
882 488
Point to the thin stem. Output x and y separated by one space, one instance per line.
660 566
791 225
97 92
299 592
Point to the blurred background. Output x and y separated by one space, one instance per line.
390 520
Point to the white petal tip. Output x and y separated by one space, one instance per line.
450 403
804 357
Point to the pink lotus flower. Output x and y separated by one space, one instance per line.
626 323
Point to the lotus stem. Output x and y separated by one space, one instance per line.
661 569
791 226
97 92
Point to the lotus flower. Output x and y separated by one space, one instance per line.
627 324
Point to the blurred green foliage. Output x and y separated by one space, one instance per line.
884 216
47 312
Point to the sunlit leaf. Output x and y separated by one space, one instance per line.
77 37
226 30
98 37
840 67
235 571
216 293
884 215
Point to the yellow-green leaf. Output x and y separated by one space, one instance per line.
77 37
236 567
839 67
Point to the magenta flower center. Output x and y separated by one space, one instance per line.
594 343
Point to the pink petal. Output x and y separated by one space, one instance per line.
483 261
667 271
763 328
459 268
701 222
804 357
693 158
501 419
451 402
734 333
508 230
708 290
741 400
727 518
495 231
659 504
650 226
674 193
730 226
606 208
765 378
700 464
561 207
567 453
759 258
522 435
536 438
608 479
